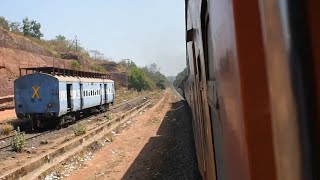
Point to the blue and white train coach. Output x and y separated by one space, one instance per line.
42 96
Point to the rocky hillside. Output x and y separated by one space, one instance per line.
13 41
12 59
18 52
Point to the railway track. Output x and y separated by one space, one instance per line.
112 108
5 142
40 165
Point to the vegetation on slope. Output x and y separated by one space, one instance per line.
148 77
139 78
59 47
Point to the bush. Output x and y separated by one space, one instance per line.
79 129
98 68
4 23
18 141
6 129
75 65
138 80
108 116
161 84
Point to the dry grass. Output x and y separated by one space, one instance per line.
124 94
110 137
6 129
80 129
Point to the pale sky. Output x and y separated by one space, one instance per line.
145 31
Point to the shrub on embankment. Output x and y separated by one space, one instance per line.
145 78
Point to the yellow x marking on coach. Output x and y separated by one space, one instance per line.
35 92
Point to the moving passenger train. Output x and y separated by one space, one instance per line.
254 87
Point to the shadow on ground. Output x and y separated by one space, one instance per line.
171 154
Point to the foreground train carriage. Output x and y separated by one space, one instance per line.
49 97
253 87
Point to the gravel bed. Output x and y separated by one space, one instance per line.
43 143
170 155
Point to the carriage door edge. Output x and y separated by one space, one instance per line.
105 93
100 94
69 97
81 96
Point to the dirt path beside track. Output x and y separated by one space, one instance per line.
157 145
7 114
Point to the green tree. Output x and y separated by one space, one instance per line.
26 28
60 38
137 79
180 78
4 23
31 28
127 63
161 83
15 27
157 78
35 29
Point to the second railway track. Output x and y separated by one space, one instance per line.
35 166
5 142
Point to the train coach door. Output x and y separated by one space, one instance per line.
105 93
69 97
81 96
100 94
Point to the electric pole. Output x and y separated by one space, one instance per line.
76 41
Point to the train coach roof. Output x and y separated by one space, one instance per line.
81 79
72 78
